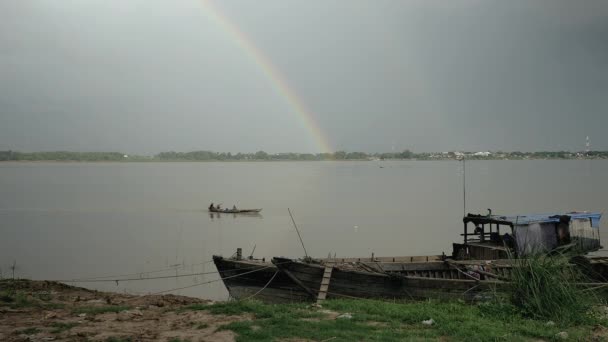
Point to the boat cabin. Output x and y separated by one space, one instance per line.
488 237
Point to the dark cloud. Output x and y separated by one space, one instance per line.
146 76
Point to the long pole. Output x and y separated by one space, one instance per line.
297 231
464 187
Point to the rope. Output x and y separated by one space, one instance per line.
172 268
131 279
198 284
147 278
263 288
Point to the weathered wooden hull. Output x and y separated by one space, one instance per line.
431 283
288 280
252 279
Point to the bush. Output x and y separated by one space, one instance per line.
545 287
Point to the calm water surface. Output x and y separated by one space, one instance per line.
76 220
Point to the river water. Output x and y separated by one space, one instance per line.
82 220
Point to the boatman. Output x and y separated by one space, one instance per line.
234 207
211 207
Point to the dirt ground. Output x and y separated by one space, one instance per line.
50 311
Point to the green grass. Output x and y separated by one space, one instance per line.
390 321
544 287
119 339
96 310
29 331
20 299
7 297
61 327
261 310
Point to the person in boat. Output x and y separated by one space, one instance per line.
478 230
234 207
218 207
211 207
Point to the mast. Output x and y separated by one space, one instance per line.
464 187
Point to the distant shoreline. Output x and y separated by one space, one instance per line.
271 161
261 156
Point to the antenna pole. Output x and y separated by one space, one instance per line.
464 187
297 231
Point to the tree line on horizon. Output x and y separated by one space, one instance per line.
264 156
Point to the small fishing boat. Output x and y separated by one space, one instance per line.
235 211
480 265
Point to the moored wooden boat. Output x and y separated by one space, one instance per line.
479 267
259 278
394 280
409 277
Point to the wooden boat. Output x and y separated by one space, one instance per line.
478 267
235 211
394 280
247 278
411 277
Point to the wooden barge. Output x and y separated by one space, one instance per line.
479 266
248 278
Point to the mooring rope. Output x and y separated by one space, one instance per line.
203 283
172 268
211 281
263 288
141 278
131 279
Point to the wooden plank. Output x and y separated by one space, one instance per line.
325 282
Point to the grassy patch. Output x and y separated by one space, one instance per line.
390 321
6 297
20 299
60 327
119 339
96 310
261 310
29 331
44 296
544 287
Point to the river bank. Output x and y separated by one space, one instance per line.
50 311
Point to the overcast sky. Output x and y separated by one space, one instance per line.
144 76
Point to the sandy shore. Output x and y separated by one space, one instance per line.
50 311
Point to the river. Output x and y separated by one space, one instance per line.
81 220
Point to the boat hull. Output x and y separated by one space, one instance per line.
236 211
346 283
289 280
254 279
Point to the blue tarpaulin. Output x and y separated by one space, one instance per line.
539 218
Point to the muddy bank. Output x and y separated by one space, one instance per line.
50 311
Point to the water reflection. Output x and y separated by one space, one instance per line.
214 215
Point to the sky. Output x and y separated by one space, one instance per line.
144 76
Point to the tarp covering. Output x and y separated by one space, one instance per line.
541 218
535 237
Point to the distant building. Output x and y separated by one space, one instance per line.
482 154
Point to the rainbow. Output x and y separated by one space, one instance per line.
278 81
